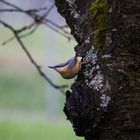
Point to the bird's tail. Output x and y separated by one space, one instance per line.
52 67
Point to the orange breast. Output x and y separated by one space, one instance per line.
68 73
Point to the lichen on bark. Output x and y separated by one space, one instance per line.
103 102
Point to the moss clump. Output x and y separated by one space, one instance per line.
99 16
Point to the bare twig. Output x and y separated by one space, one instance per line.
36 10
26 28
8 10
12 5
15 32
28 11
21 31
62 28
29 33
31 28
48 11
42 19
8 40
57 31
21 36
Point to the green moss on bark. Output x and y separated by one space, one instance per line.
99 16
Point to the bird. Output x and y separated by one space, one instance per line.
70 68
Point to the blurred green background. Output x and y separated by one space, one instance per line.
30 109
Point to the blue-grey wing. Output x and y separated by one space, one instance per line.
71 62
59 65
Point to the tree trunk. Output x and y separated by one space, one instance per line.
104 101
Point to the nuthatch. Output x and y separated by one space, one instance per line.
70 68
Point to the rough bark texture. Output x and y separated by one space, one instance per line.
104 101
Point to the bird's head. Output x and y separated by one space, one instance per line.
78 58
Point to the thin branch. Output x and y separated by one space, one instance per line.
21 31
36 65
9 10
8 41
36 10
37 20
26 27
48 11
42 19
57 31
21 36
28 11
59 27
31 59
11 5
29 33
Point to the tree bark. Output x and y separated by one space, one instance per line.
104 101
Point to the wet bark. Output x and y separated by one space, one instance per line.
104 101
